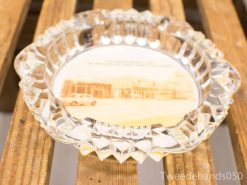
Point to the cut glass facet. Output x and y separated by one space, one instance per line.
127 84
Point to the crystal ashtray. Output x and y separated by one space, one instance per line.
126 83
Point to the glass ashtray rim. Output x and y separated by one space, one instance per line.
192 36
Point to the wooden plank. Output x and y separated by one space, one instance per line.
110 4
91 170
12 16
28 151
193 168
168 7
184 168
223 27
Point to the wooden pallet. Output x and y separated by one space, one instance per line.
28 150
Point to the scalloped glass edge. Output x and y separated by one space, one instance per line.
105 139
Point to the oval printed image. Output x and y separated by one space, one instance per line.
126 85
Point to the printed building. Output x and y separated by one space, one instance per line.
98 90
127 87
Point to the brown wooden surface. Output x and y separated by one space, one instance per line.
28 151
193 168
223 27
112 4
90 169
12 16
180 168
168 7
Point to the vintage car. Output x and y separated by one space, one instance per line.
79 100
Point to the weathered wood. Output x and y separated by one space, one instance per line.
168 7
90 169
111 4
28 151
223 27
193 168
185 168
12 16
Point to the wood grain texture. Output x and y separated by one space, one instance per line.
185 168
168 7
28 150
90 169
111 4
192 168
223 27
12 16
